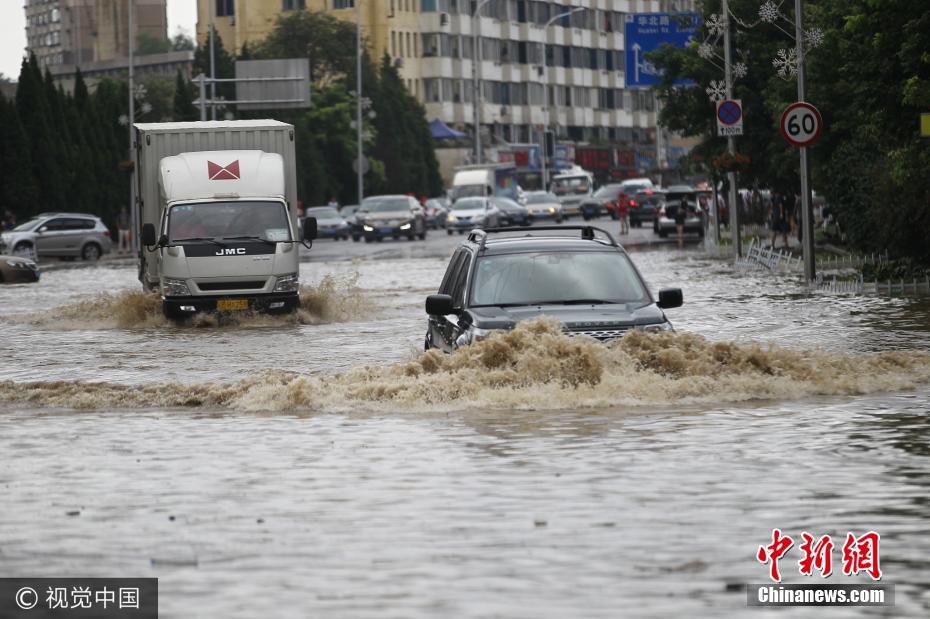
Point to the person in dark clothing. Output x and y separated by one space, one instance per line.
9 220
778 218
681 214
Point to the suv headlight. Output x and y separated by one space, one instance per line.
175 288
406 226
656 328
287 283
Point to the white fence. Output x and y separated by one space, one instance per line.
758 256
901 286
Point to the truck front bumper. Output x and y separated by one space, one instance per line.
277 303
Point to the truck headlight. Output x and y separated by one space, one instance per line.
450 218
406 226
287 283
175 288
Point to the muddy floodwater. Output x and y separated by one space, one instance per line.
319 465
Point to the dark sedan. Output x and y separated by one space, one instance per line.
395 216
18 270
512 214
645 206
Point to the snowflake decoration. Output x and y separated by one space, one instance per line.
768 12
715 25
717 91
739 70
814 37
786 63
705 51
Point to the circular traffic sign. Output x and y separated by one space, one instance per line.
801 124
729 112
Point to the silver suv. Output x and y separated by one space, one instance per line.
64 235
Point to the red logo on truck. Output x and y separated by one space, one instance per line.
223 173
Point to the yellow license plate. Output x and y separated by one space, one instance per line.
225 305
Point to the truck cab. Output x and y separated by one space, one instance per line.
572 187
225 239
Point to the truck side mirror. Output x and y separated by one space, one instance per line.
310 229
670 298
439 305
148 234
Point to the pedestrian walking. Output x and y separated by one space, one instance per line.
333 202
9 220
778 217
122 224
623 210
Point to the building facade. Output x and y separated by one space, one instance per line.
74 32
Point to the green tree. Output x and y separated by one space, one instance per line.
328 42
181 42
18 189
184 109
224 62
146 44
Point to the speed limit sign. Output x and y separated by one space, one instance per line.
801 124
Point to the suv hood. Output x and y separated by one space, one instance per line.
573 317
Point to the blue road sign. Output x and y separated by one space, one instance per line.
646 32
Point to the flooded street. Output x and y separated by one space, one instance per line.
318 465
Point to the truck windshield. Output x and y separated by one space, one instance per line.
572 184
552 277
217 220
468 191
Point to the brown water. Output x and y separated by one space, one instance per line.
320 465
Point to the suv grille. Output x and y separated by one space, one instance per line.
253 285
600 334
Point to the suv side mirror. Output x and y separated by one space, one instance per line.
670 298
148 234
310 229
439 305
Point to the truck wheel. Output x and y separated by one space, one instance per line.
449 232
91 252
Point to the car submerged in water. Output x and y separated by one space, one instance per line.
18 270
578 275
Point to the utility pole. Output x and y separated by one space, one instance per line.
546 97
358 99
133 217
731 142
476 78
212 7
807 213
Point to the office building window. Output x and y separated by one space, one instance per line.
340 4
225 8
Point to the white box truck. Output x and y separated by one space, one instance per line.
217 206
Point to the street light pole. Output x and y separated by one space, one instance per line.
133 218
545 167
807 213
731 142
212 7
476 78
358 99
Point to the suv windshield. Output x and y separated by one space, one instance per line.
218 220
469 204
386 205
552 277
540 198
29 225
326 212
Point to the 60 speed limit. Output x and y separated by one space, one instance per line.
801 124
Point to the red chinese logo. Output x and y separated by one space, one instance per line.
817 555
773 552
860 554
216 172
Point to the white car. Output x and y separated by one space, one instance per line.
544 205
62 235
470 213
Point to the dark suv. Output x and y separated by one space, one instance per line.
577 274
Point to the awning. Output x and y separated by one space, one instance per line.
442 131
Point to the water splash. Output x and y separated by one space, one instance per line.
334 299
535 366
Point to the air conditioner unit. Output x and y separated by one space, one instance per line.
399 63
443 20
505 111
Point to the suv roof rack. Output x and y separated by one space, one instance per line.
480 236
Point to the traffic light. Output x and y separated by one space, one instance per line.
550 144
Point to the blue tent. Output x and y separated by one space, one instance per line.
442 131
